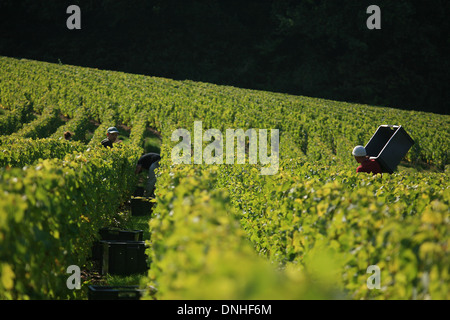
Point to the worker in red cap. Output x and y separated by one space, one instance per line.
366 164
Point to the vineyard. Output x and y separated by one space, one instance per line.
220 231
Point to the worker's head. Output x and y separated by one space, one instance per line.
360 154
112 133
67 135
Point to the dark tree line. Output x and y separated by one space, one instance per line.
319 48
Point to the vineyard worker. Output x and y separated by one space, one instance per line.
148 162
366 164
111 136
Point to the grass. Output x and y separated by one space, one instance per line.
139 223
152 141
131 280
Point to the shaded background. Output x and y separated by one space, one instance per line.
306 47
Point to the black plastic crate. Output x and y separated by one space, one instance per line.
114 235
123 257
139 192
141 206
388 146
114 292
121 235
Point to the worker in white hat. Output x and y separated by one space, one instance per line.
111 136
366 164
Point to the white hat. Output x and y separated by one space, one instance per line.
359 151
112 130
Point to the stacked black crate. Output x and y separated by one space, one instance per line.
120 252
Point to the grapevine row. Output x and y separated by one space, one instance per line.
50 214
311 212
199 251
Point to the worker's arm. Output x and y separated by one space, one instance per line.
138 169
